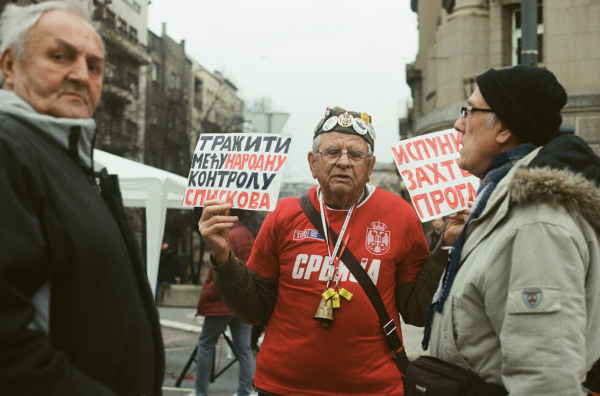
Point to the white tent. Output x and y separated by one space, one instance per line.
150 188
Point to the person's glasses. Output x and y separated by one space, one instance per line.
465 109
332 156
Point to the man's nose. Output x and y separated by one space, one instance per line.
459 125
344 160
79 70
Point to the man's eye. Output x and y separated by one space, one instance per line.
94 68
354 154
58 56
332 152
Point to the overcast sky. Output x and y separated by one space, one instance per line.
303 55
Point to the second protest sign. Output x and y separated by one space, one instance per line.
429 167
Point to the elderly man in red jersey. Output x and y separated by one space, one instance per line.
294 269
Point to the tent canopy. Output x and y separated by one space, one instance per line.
151 188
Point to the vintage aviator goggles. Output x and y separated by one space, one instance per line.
332 156
465 109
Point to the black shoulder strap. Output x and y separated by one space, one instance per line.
364 280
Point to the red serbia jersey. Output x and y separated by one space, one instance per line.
352 356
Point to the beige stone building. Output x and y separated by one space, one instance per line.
215 107
459 39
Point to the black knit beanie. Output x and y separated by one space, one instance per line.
527 100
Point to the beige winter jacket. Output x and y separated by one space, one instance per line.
524 309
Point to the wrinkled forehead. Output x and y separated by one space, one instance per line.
65 27
343 141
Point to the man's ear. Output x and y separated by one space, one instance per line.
312 157
505 137
7 65
371 166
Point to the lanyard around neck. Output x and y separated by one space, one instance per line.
335 258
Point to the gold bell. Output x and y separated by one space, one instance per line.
325 312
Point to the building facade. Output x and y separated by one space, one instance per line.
216 108
121 114
460 39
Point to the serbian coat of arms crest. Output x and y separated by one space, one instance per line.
378 239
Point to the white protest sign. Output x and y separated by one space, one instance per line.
244 169
428 165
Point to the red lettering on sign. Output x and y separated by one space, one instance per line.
408 174
400 155
452 202
254 200
229 162
437 176
243 204
437 198
265 202
422 177
423 197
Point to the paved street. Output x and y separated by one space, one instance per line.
180 334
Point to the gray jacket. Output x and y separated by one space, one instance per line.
524 309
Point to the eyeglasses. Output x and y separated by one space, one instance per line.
332 156
463 110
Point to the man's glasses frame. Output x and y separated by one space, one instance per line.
332 156
465 109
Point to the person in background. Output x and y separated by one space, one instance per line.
217 317
437 229
77 316
169 269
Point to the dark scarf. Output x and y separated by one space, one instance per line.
500 166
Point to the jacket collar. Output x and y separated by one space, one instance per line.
526 185
76 136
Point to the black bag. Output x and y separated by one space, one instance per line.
433 377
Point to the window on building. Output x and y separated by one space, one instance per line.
132 130
111 18
132 82
109 72
122 26
198 86
135 5
153 118
173 80
98 13
155 70
133 35
517 34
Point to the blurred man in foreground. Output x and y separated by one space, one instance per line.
77 316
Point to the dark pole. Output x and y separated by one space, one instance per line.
529 49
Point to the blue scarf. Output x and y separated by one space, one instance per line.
500 166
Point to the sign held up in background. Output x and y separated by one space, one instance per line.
428 165
244 169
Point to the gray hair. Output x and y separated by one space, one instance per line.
16 22
317 142
491 120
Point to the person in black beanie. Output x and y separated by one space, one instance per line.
520 305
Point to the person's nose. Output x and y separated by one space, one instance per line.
344 160
79 70
459 125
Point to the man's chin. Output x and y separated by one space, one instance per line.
77 112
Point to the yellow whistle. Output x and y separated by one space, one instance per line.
328 293
346 294
335 300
